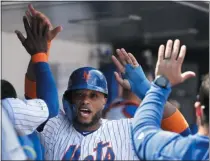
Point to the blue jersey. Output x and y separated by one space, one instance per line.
31 144
38 147
152 143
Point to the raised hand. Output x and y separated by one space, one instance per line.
36 40
133 77
124 58
170 60
52 33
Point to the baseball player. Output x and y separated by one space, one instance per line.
80 133
26 116
150 141
170 113
27 113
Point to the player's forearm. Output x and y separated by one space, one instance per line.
151 109
30 72
46 86
30 82
173 120
147 118
30 79
169 109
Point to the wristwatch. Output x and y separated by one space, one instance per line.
161 81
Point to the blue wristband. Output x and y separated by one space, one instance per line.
137 79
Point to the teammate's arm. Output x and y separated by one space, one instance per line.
36 46
30 79
146 123
135 80
152 143
32 89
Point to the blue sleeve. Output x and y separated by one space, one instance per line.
163 145
28 146
151 109
152 143
37 145
46 87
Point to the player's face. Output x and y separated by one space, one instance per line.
89 105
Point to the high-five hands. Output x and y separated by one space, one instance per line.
169 63
31 12
36 40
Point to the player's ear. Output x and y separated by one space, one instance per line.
105 99
199 111
197 104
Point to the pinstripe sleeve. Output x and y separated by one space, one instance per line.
26 115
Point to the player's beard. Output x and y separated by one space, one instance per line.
94 121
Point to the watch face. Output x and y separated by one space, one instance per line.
161 81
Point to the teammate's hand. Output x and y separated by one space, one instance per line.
170 62
36 41
52 33
123 59
133 77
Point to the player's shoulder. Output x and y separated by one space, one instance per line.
56 123
19 102
59 119
12 102
196 139
35 102
197 145
199 140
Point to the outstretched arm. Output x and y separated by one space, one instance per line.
150 141
36 46
34 84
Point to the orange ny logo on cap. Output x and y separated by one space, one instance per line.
86 76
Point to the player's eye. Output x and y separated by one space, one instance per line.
79 94
93 95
